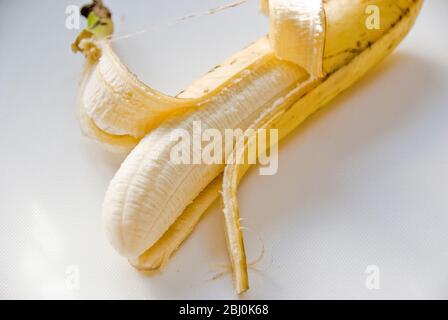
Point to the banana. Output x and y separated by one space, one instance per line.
314 50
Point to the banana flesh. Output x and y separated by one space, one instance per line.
152 205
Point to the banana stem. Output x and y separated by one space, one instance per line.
99 26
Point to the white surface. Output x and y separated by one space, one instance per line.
363 183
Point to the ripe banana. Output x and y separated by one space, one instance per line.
151 204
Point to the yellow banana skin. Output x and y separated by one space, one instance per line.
286 119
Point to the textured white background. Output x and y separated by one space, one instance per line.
362 183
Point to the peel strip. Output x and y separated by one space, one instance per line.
286 120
